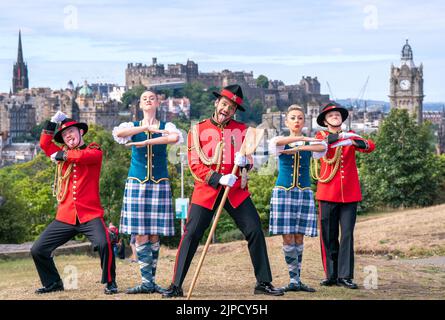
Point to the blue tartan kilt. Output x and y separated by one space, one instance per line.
147 209
293 211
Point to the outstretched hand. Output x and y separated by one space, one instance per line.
290 151
153 129
138 144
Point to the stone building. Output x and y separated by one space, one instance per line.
276 95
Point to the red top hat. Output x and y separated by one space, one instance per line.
331 106
68 123
234 93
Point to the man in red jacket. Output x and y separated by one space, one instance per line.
212 153
79 211
338 193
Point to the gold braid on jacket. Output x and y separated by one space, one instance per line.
335 161
61 179
216 159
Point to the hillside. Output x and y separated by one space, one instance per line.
386 243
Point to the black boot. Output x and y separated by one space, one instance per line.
55 286
268 289
347 283
328 282
110 288
173 292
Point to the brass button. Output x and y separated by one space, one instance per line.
74 192
74 170
74 165
75 176
74 199
74 187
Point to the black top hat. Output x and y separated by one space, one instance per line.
232 92
331 106
68 123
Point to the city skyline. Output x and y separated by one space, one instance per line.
341 42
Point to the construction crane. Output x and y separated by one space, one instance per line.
330 91
361 94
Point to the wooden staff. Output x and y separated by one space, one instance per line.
250 143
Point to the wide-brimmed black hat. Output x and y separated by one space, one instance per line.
331 106
68 123
234 93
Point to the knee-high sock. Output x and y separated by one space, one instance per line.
145 259
291 258
155 254
299 248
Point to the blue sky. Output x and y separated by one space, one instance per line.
340 41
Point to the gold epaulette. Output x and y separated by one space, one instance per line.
94 145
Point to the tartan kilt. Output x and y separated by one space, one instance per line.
293 211
147 209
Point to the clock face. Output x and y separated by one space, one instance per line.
405 84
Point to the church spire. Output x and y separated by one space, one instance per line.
20 71
20 50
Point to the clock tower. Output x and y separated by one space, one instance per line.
406 84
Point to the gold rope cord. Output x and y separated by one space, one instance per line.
314 167
216 159
59 179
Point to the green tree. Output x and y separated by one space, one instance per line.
201 100
13 227
253 114
402 171
132 95
262 81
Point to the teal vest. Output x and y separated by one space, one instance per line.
293 170
148 163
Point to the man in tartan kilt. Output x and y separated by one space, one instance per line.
212 152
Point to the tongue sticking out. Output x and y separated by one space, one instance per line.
221 118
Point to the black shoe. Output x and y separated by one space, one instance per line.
140 289
298 287
328 282
110 288
172 292
268 289
347 283
55 286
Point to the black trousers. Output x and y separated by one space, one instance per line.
248 221
57 233
337 257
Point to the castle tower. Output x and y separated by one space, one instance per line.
20 71
406 84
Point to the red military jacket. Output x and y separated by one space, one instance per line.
345 185
204 141
82 198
